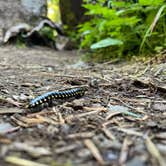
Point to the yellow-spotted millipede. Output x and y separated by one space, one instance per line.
50 96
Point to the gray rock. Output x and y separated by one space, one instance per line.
15 12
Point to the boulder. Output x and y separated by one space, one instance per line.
17 12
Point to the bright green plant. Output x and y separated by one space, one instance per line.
125 28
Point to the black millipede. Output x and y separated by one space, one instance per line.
50 96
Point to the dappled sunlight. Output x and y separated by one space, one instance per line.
53 12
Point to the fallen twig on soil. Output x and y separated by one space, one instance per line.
94 150
22 162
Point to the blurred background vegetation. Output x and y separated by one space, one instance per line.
117 28
53 12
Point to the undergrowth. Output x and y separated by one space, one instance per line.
121 29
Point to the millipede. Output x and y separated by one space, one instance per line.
50 96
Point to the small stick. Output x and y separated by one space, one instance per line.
94 150
108 133
124 151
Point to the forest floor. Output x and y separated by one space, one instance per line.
121 119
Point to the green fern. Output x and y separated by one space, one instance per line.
127 22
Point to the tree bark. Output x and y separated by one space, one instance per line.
72 13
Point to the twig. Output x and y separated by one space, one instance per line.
94 150
113 113
10 110
21 161
154 151
81 135
67 148
124 151
108 134
130 132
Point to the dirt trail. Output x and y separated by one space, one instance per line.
120 119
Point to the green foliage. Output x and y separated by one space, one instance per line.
105 43
125 29
48 32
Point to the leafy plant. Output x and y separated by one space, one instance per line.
105 43
124 28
